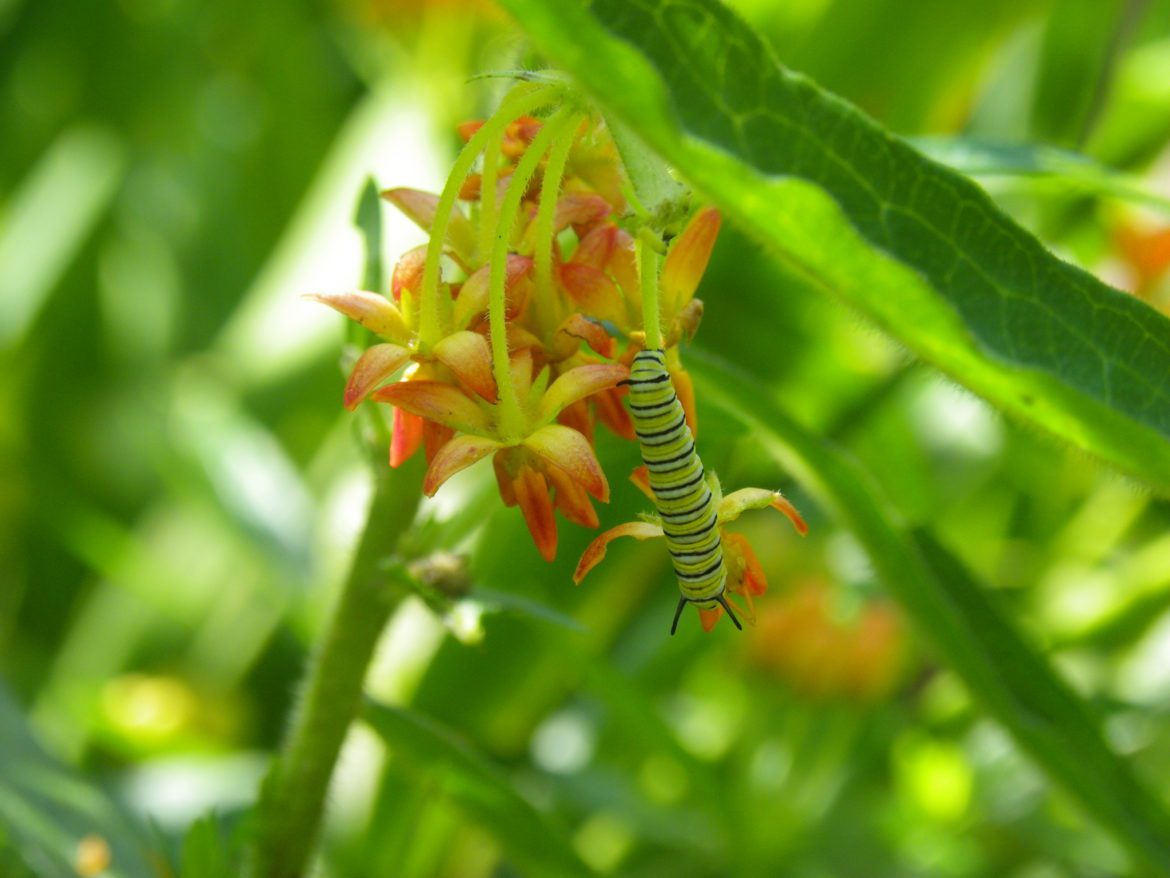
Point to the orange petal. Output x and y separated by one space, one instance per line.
1147 252
373 311
641 479
687 321
525 128
467 129
687 260
517 294
595 160
577 417
572 452
708 618
473 297
536 505
520 365
458 454
519 337
781 504
595 551
597 247
579 209
475 294
578 383
435 436
467 355
504 477
752 580
572 500
408 272
405 438
685 390
469 189
373 367
519 134
737 502
623 265
593 292
435 401
613 414
577 328
421 206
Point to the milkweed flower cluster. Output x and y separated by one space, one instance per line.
511 333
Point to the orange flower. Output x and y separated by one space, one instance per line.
601 280
460 356
745 577
567 309
683 268
547 466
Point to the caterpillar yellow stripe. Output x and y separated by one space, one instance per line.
682 494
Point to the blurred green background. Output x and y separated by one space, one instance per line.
180 487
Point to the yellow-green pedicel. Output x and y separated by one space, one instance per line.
681 493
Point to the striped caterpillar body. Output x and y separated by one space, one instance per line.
682 495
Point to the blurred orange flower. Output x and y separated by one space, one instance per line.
799 639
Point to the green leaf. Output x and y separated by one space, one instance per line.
367 217
12 864
1082 42
917 248
975 639
207 853
46 810
503 601
480 788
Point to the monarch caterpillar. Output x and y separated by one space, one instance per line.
682 495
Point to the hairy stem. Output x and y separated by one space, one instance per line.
648 272
488 216
293 798
543 230
524 99
511 418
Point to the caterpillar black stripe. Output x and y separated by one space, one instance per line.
681 493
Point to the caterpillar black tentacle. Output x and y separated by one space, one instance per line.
683 499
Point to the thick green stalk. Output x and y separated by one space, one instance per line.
543 229
511 418
524 99
293 798
648 272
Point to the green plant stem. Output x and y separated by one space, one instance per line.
543 229
292 800
524 99
488 217
648 273
511 418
